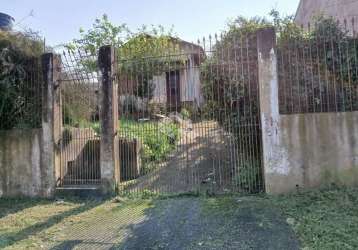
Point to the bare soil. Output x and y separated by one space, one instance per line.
203 160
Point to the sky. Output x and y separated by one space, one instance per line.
59 21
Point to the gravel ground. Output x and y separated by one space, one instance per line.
223 223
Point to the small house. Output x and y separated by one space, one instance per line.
174 79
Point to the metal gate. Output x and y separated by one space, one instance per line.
189 115
80 130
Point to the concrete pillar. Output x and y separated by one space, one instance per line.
51 123
109 155
273 152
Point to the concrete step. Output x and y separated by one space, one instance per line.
80 191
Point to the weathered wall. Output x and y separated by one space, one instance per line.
317 150
21 173
339 9
305 150
29 157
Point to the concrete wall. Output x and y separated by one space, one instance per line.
21 172
29 158
304 150
340 9
316 150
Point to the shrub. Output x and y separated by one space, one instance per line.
20 79
80 104
158 140
249 178
185 113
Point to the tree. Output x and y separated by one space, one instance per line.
141 54
103 32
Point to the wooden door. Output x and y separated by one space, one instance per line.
173 90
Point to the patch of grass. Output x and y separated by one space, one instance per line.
244 223
148 194
85 124
158 139
324 219
24 221
45 224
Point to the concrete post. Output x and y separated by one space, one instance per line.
51 122
273 153
109 155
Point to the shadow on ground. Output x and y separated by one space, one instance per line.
204 152
209 223
11 206
188 222
12 238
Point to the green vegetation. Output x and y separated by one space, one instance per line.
20 90
47 224
150 42
185 113
323 219
158 139
104 32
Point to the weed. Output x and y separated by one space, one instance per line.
158 139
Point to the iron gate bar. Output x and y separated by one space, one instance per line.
80 105
221 149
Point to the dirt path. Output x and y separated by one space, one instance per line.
203 159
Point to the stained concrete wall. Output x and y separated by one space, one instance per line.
302 150
316 150
29 158
21 172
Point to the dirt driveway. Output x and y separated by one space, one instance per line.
210 224
204 159
175 223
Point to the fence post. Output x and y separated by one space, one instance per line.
269 108
109 155
51 122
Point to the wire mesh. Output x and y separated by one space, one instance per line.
189 116
318 68
20 93
80 130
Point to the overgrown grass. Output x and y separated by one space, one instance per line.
325 219
158 139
